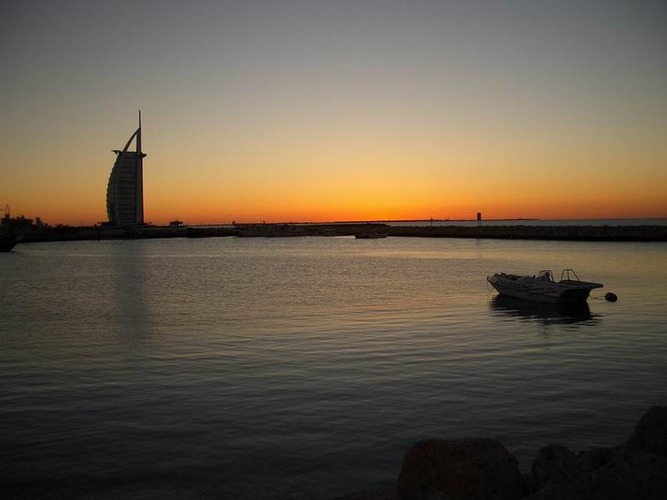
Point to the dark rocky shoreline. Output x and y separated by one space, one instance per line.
653 233
565 233
483 469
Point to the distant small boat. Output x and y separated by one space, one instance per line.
543 288
370 235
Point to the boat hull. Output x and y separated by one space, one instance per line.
527 288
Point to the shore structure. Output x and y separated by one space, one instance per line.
125 190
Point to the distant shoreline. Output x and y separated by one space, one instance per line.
562 233
637 233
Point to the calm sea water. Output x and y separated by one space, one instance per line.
304 368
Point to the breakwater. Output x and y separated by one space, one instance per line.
565 233
69 233
653 233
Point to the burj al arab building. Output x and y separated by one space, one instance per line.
125 191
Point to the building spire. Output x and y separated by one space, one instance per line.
139 134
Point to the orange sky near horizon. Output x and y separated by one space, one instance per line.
274 193
325 111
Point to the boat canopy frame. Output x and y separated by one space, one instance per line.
569 275
565 275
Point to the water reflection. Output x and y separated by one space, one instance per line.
130 306
543 313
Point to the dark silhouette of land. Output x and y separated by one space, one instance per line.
522 232
648 233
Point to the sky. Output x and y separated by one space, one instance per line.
295 110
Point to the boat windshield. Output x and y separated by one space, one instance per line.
545 275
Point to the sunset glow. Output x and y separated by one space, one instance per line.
329 111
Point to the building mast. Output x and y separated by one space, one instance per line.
139 135
140 176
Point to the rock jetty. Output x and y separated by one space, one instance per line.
565 233
654 233
483 469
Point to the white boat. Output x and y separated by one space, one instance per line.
543 288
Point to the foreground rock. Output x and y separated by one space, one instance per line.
555 464
465 468
636 470
651 432
483 469
631 475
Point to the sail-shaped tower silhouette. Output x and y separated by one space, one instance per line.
125 191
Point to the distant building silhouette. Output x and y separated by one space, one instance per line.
125 191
